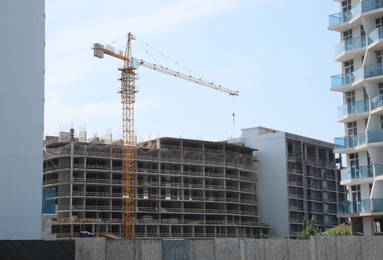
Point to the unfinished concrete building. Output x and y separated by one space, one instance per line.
183 188
299 178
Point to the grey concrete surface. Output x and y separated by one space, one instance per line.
90 248
226 248
298 249
317 248
120 249
201 249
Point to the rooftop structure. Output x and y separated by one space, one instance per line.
183 188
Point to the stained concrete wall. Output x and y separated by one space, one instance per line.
317 248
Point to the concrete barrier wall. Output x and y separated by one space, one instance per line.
317 248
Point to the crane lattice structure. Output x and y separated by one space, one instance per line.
128 91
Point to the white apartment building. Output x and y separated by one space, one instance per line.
298 178
360 51
22 45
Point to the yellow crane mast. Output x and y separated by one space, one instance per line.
128 91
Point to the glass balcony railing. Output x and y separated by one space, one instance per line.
377 102
350 45
378 169
375 35
369 5
373 70
341 80
375 136
363 206
352 173
359 139
353 108
346 79
349 141
344 17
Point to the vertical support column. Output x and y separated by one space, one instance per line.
128 149
305 175
71 189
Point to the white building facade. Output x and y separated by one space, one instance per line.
298 179
360 52
22 44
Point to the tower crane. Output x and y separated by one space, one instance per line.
128 91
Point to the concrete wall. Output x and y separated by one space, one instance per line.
22 44
272 179
317 248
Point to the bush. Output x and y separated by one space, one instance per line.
343 230
308 229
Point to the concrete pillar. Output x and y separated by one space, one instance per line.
368 226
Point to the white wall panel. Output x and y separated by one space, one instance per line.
22 43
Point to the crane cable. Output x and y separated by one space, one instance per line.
141 43
233 117
142 47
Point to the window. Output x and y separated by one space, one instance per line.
347 38
366 103
350 101
378 223
365 96
380 88
356 198
355 189
378 56
379 22
351 129
369 163
363 37
347 35
346 5
352 134
354 165
348 66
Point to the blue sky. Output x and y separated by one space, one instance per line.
277 53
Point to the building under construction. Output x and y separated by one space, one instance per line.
183 188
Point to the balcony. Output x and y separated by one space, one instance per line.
363 206
348 142
350 48
370 5
378 169
352 109
373 70
341 81
377 102
375 136
374 39
354 173
344 18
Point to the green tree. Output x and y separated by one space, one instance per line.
308 229
343 230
